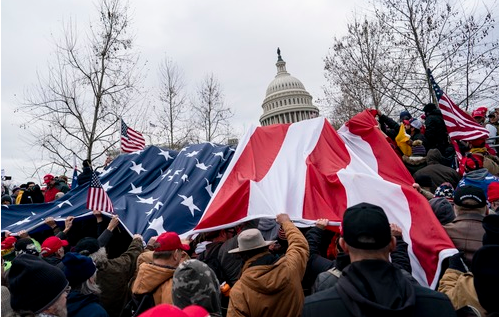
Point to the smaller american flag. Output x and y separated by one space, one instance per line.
460 125
131 140
97 198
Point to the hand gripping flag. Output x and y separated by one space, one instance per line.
310 171
131 140
97 198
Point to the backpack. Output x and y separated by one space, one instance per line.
139 304
210 257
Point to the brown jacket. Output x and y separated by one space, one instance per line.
151 277
458 286
466 232
275 289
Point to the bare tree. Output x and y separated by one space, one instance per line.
172 115
440 35
211 112
356 69
91 83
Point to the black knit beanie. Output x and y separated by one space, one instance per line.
91 245
34 284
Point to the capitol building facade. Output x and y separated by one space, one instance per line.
286 100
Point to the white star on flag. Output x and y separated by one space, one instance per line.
137 168
189 202
157 225
135 190
148 201
166 154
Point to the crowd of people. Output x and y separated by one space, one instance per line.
270 267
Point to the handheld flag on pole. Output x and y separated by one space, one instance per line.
97 198
460 125
131 140
74 181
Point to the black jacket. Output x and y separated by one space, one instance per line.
85 176
436 132
400 259
376 288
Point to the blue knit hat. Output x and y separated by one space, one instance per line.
78 268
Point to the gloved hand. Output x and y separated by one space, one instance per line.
456 263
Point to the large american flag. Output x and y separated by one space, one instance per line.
97 198
131 140
310 171
460 125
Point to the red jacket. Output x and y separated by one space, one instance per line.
50 194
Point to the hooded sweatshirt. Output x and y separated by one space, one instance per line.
154 278
376 288
479 178
195 283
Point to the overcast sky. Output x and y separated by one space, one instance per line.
236 40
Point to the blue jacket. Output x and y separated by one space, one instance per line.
80 305
480 178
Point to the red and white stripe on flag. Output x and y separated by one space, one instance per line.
310 171
97 198
460 125
131 140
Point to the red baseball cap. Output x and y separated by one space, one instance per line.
8 243
47 178
169 241
173 311
479 112
51 245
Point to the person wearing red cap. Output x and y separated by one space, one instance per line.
51 190
157 277
53 251
493 196
479 115
172 311
475 172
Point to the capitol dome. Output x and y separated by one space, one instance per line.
286 100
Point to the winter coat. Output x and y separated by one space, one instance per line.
272 289
231 263
113 276
458 286
436 132
414 163
376 288
80 305
466 232
438 172
155 278
50 193
399 257
479 178
62 186
85 176
316 263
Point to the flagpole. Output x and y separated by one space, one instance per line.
121 129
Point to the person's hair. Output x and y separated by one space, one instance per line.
87 163
99 257
87 287
384 250
465 210
164 255
29 183
208 236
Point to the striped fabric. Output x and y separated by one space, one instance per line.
131 140
460 125
97 198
